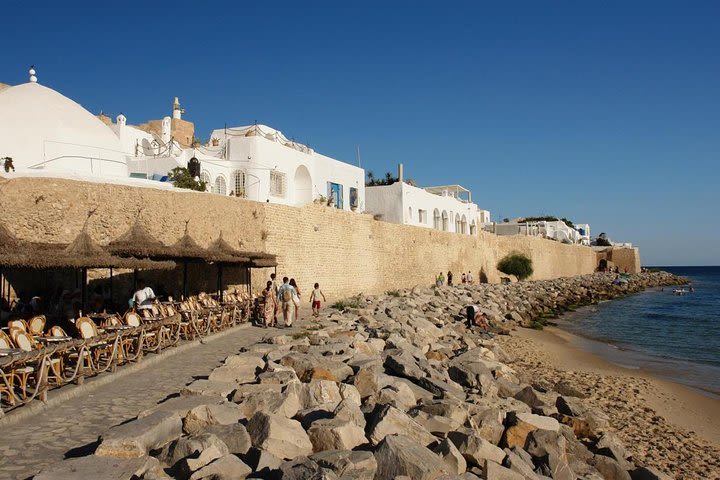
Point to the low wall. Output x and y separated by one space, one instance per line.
626 259
345 252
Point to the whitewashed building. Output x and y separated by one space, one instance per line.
553 230
447 208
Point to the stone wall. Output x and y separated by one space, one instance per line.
345 252
626 259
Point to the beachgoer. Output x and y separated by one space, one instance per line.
275 287
296 298
470 278
144 297
475 317
315 299
449 278
270 305
440 280
463 278
285 299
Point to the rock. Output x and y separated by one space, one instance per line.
567 389
336 434
474 448
318 373
191 464
441 388
449 408
245 391
549 448
520 464
213 414
262 462
400 455
234 436
136 438
97 468
451 455
521 424
367 381
278 377
192 446
400 397
609 468
302 468
227 467
320 392
388 420
402 363
348 465
179 405
648 473
435 424
530 397
278 435
286 403
350 393
348 410
209 388
494 471
240 373
610 445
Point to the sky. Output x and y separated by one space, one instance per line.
605 113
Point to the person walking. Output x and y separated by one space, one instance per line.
470 278
285 299
275 287
270 309
449 277
463 278
440 280
296 297
315 299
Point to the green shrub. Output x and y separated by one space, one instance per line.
181 178
516 264
347 303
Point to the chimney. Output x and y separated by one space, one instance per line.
400 172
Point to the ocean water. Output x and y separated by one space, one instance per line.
671 336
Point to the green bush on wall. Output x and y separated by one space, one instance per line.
516 264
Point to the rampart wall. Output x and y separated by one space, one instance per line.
344 251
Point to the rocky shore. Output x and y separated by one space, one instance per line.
390 387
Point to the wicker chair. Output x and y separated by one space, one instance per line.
88 330
36 325
25 342
7 389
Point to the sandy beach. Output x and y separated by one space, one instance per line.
670 426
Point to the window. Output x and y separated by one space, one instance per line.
239 177
353 197
410 214
458 224
444 221
205 177
220 185
278 183
436 219
335 195
422 216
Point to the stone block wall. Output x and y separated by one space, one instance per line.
345 252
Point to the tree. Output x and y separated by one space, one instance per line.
516 264
180 177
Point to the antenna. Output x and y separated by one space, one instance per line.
358 156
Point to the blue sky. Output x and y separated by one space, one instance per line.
602 112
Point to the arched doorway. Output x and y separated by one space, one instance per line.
303 186
444 221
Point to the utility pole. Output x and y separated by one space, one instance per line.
358 156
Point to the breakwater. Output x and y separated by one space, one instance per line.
388 386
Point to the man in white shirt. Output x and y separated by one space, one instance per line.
144 297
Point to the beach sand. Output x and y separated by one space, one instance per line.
662 424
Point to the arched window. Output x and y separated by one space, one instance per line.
409 214
473 229
220 185
458 223
444 221
436 219
463 225
205 177
239 182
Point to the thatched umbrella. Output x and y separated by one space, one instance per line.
137 242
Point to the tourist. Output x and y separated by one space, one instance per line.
463 278
315 299
285 299
275 287
475 317
143 298
270 308
440 280
449 278
470 278
296 297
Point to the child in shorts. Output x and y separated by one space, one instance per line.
315 299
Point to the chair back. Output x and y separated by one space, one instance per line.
170 310
36 325
20 324
146 313
23 340
132 319
155 310
57 331
86 327
113 321
5 341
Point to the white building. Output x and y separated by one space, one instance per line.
553 230
446 208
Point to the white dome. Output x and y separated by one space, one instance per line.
42 129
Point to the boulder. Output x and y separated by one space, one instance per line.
278 377
286 403
244 371
97 468
609 468
550 449
388 420
262 462
280 436
234 436
400 455
192 446
348 410
494 471
521 464
303 468
136 438
521 424
474 448
319 392
435 424
336 434
227 467
191 464
367 381
347 464
350 393
210 388
648 473
451 455
213 414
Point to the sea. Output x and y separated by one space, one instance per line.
670 336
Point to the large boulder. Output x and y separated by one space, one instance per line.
213 414
549 449
388 420
347 464
226 467
287 403
399 455
98 468
283 437
336 434
303 468
494 471
475 448
192 446
451 455
235 436
136 438
521 424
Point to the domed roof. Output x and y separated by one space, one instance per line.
42 129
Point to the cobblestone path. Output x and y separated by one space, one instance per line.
73 426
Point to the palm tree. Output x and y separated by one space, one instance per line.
370 179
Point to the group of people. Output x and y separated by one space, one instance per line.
285 298
465 278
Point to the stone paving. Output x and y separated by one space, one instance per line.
72 428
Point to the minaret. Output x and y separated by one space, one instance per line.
176 110
31 72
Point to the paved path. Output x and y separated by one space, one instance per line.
71 428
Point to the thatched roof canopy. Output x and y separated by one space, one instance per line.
263 262
221 248
137 242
